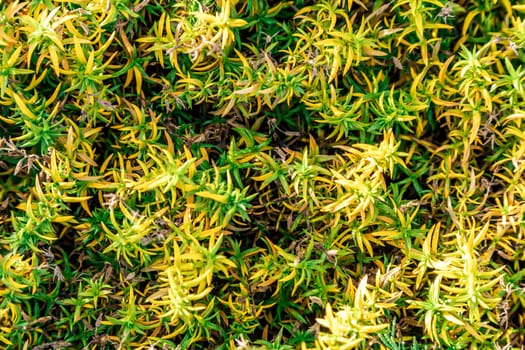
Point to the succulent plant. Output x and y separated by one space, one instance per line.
256 174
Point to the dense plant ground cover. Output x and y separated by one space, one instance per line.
262 174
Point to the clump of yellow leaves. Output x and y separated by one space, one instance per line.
353 324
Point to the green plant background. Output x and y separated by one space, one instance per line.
262 174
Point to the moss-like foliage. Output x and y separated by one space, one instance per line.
258 174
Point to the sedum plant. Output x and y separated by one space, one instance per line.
254 174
